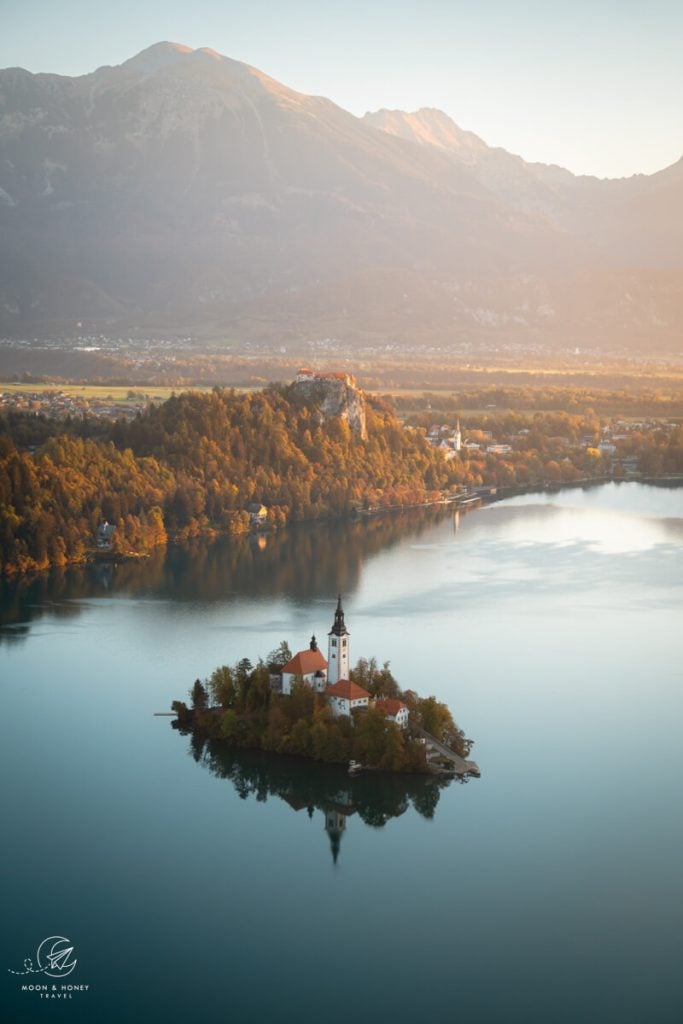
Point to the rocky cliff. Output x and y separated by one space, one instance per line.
333 395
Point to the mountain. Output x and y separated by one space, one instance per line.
572 202
431 127
183 190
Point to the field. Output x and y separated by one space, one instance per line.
431 385
100 392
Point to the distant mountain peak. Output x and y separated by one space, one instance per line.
429 126
208 52
160 54
157 56
206 64
165 54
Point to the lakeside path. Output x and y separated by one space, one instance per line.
460 765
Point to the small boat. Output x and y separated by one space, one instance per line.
355 767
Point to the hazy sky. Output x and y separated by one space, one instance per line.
593 85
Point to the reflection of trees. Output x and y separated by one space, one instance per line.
375 797
303 561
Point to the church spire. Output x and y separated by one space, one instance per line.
339 626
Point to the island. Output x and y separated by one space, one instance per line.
324 709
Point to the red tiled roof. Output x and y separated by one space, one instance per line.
345 688
305 662
391 705
334 375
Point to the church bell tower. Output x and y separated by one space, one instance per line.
338 647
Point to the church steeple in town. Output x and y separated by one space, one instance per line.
338 647
457 437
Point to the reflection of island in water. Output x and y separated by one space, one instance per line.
302 562
376 797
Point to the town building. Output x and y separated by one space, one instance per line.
395 710
105 536
258 513
445 439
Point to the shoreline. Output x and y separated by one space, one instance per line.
465 500
186 727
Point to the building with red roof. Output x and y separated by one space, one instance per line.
345 696
308 665
394 709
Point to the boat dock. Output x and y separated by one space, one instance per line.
439 752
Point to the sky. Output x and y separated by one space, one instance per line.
592 85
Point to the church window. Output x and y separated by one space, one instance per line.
334 643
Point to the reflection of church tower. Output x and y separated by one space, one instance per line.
338 647
335 823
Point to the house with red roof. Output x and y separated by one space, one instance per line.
309 666
395 710
345 697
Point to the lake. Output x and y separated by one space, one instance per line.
196 883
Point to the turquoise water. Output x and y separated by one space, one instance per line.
193 883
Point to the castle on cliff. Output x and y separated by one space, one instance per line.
305 374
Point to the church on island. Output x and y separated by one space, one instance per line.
331 676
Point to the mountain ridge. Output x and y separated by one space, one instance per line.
183 187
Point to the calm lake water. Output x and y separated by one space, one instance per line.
196 884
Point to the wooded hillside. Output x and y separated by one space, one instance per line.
191 465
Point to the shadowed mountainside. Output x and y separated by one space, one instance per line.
185 190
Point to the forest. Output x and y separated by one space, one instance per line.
190 466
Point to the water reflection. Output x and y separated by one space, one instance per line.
548 540
375 797
305 561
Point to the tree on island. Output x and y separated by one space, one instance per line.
280 656
199 696
379 682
